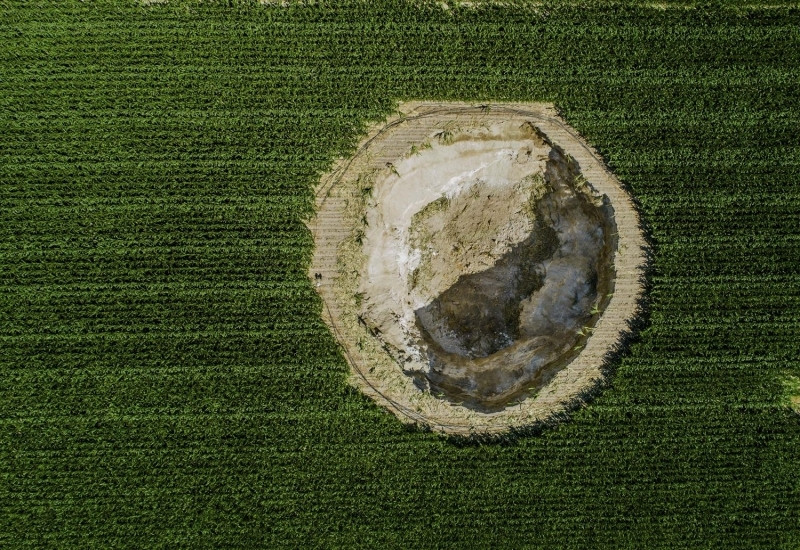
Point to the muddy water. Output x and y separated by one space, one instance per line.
480 314
501 333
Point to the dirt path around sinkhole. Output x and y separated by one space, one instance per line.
333 270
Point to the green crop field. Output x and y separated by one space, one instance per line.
166 380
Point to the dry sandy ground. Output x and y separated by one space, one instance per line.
439 192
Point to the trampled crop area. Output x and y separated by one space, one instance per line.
165 375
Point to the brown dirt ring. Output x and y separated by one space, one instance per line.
343 236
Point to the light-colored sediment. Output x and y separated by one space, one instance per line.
387 242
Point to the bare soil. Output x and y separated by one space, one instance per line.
477 264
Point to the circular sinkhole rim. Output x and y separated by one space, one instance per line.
382 379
